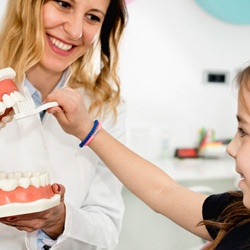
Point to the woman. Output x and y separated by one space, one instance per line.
50 45
223 219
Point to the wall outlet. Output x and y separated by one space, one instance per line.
215 77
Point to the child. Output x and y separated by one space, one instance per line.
223 219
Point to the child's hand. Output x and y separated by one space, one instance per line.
72 113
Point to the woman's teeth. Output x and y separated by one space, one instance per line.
59 44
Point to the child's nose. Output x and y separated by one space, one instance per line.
231 149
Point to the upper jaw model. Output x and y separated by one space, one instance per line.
9 96
13 103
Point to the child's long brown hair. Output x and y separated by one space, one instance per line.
233 216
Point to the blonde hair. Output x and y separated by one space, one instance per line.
22 44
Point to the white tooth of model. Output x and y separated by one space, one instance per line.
8 101
18 175
24 182
10 175
27 174
47 178
8 184
37 173
3 175
7 73
42 180
15 97
35 181
2 108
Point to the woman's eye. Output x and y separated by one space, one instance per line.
93 18
63 4
242 132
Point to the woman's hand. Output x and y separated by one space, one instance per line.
51 221
72 113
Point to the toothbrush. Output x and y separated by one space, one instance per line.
27 108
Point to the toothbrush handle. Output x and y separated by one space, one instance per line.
36 110
46 106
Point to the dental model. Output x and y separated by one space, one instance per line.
13 103
26 192
9 95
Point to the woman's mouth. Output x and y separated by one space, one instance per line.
60 45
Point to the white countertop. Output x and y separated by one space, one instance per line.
198 168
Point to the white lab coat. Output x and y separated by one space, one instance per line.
94 205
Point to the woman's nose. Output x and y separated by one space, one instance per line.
74 27
232 149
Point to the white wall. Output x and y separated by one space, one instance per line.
166 48
3 5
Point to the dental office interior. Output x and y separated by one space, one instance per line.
177 65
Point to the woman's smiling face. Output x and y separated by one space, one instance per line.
239 147
71 27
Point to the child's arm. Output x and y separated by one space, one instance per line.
145 180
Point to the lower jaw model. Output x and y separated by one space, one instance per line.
25 192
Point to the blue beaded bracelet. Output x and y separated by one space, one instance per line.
92 131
